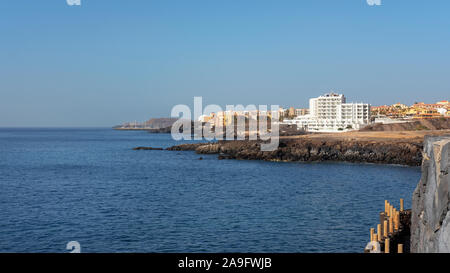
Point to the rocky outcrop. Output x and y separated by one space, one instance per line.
200 148
147 148
309 150
186 147
430 223
211 148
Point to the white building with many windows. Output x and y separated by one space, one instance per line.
331 113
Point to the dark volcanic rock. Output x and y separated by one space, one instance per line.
212 148
403 153
147 148
186 147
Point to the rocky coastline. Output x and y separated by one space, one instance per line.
400 148
404 153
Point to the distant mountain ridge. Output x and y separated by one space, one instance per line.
159 123
151 124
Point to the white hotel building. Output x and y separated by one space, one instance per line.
331 113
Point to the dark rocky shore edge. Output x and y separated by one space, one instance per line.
400 144
312 150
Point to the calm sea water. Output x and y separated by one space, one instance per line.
88 185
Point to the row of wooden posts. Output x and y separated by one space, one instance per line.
391 225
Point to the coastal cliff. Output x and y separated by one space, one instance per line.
430 223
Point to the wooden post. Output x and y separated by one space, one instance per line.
378 235
391 225
400 248
394 219
371 234
375 237
401 204
385 207
386 246
397 221
385 229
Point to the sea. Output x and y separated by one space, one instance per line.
88 185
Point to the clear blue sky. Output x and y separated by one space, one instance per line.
106 62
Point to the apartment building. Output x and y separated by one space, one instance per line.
301 111
331 113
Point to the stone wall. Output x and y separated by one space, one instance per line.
430 222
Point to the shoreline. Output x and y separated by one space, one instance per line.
401 148
398 153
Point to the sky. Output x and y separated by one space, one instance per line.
107 62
